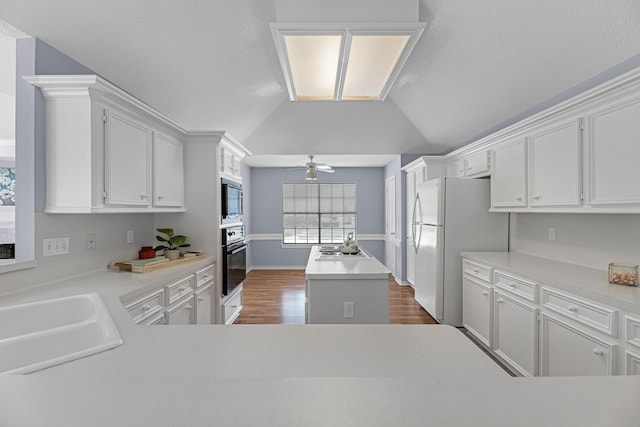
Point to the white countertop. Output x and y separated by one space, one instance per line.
286 375
587 282
348 268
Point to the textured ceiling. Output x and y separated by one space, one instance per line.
211 64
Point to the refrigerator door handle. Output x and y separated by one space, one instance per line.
417 206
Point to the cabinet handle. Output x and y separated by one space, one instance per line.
485 293
519 199
200 299
160 197
512 285
499 300
234 306
143 196
598 352
146 307
188 307
537 197
469 168
573 309
181 289
475 270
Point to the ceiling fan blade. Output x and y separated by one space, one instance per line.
326 170
320 166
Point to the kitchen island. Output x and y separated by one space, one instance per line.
346 288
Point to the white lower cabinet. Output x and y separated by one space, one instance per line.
202 300
231 307
569 349
476 309
147 308
181 312
190 300
538 330
516 332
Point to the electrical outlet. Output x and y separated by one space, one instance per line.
91 241
55 246
349 310
552 233
130 236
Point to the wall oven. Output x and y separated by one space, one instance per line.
234 258
231 201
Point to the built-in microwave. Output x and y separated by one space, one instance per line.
231 202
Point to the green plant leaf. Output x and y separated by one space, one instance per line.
167 231
178 240
161 239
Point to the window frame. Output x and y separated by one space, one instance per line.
318 208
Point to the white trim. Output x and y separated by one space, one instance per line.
251 237
278 237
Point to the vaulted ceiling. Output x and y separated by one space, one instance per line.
212 64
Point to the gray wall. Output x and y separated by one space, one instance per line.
591 240
265 212
110 230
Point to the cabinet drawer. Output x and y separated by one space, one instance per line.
179 289
588 313
519 286
145 307
477 270
205 275
231 307
632 330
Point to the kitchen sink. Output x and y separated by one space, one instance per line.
41 334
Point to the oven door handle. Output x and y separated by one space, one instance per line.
236 250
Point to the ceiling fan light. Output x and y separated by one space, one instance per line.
311 174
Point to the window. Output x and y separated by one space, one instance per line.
318 213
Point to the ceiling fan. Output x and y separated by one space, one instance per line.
312 168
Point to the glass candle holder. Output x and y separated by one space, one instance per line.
623 274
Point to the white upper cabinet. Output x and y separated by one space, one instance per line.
168 171
555 165
477 165
509 174
613 159
100 154
127 148
231 160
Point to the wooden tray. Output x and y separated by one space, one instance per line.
153 265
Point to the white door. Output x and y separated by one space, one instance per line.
429 266
390 224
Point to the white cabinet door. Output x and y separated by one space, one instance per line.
555 165
476 309
168 171
231 308
477 165
181 313
614 155
568 349
508 175
516 333
203 300
127 161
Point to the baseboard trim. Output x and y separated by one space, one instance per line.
276 267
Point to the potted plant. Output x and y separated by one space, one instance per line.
171 243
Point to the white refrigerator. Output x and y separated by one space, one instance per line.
451 215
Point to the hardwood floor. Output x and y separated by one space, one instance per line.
277 297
